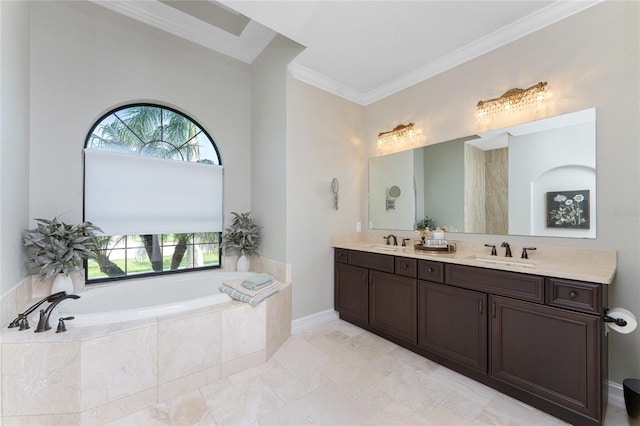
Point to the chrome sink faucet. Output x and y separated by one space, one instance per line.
508 249
43 323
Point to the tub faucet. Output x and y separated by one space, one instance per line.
43 323
507 252
395 240
22 320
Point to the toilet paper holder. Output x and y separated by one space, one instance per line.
618 321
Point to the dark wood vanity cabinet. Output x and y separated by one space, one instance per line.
453 323
370 294
550 352
538 339
351 295
392 305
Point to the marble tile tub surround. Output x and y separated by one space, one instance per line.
98 374
580 264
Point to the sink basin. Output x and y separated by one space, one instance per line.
522 263
385 247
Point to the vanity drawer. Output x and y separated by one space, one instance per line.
502 283
341 255
407 267
379 262
575 295
431 271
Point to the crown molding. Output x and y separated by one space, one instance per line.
536 21
256 37
322 82
245 47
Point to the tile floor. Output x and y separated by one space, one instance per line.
339 374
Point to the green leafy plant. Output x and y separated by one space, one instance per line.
242 236
56 247
426 224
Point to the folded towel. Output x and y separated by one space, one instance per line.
238 286
257 281
236 295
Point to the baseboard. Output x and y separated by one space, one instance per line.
319 318
616 394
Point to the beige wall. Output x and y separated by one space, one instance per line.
323 142
14 137
269 145
589 60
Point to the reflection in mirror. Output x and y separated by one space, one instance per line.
393 193
536 178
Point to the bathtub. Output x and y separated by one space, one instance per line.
146 298
187 336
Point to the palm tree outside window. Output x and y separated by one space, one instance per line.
150 130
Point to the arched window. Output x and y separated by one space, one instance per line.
153 184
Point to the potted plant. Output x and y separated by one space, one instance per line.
242 237
58 249
424 227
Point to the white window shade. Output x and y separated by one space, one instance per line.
131 194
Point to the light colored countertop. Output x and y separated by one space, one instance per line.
597 266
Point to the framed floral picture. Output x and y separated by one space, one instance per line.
568 209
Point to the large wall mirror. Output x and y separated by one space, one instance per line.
537 178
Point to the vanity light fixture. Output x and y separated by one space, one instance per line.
513 100
399 133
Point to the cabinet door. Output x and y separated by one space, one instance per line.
547 351
351 298
392 305
452 322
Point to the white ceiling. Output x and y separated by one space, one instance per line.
360 50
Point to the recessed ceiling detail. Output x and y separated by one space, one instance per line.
212 13
245 47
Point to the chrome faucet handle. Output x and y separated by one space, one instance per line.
493 249
525 255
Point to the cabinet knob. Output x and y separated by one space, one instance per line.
405 266
573 294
